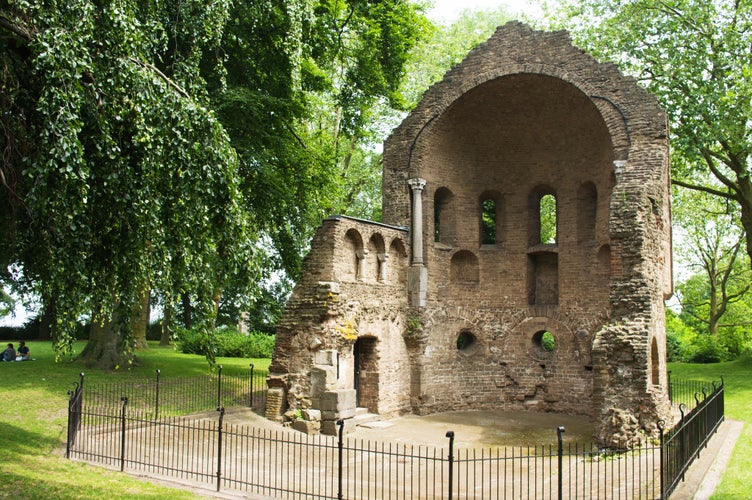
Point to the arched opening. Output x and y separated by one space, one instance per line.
542 216
547 219
655 363
397 262
354 250
488 222
443 216
376 266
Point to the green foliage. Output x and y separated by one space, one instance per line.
548 342
684 343
226 343
488 222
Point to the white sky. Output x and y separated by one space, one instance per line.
447 11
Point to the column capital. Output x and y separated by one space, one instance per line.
417 184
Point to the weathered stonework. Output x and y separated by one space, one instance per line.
454 313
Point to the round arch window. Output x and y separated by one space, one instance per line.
465 340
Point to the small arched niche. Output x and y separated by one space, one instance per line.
354 254
375 268
397 262
464 267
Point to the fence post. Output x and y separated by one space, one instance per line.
124 399
70 414
250 396
560 455
156 398
670 389
450 435
661 423
221 411
340 446
219 387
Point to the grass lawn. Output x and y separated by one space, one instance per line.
33 419
738 379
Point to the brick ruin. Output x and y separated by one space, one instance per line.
523 259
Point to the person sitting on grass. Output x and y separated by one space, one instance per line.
9 354
22 354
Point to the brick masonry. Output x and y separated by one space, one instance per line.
460 324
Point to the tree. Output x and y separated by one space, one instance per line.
117 177
711 243
694 55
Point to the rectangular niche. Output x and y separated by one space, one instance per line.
543 278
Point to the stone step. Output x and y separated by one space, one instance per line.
364 418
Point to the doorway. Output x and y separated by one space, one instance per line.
365 373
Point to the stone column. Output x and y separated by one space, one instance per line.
382 266
416 185
362 269
417 275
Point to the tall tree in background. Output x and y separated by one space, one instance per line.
712 253
695 56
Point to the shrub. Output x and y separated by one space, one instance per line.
226 342
707 349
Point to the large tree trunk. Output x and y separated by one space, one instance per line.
164 340
187 310
140 322
46 320
106 348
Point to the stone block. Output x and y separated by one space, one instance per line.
307 426
338 401
330 427
312 415
328 357
323 379
335 415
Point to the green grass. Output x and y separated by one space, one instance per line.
33 419
738 397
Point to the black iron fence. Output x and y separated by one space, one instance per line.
288 464
159 396
681 444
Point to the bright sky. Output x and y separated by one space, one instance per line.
446 11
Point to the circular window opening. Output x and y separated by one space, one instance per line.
545 340
465 340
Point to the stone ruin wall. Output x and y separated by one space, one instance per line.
351 287
525 114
